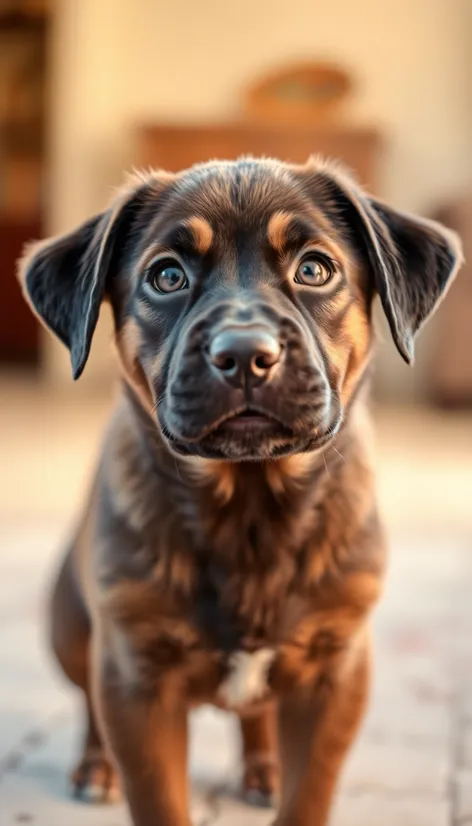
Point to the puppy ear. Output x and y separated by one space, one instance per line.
418 261
64 279
413 261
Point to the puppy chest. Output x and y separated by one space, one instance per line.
175 656
251 676
231 652
256 671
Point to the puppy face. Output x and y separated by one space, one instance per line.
242 296
252 314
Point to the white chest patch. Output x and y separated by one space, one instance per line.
247 678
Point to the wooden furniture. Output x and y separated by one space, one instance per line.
19 330
299 93
24 27
175 147
450 372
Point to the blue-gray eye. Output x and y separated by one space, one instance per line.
167 277
314 272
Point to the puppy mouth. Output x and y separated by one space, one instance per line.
247 432
250 420
253 435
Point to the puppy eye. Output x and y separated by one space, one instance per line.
167 276
314 271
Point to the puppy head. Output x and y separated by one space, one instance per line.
242 296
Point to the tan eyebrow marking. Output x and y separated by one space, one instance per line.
202 233
277 229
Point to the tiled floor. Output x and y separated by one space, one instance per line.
413 762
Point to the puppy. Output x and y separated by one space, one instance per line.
231 550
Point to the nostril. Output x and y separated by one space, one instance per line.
261 362
222 357
225 363
264 361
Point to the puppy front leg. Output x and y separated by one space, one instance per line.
148 738
316 730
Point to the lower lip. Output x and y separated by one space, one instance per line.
248 423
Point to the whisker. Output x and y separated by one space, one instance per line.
159 401
177 467
337 451
323 454
326 464
336 396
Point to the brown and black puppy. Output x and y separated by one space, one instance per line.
231 550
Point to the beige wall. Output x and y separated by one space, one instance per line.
121 61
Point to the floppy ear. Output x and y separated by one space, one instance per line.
418 262
64 279
413 261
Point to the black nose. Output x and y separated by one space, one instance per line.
244 353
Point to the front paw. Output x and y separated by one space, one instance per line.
261 781
95 779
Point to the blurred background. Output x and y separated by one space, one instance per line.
90 88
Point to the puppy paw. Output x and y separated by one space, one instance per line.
261 781
95 779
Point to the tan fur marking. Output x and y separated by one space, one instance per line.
277 230
357 331
362 589
348 352
337 352
221 475
202 233
128 342
288 470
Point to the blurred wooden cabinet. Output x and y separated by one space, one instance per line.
24 32
451 362
19 330
175 147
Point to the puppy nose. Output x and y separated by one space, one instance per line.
244 353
